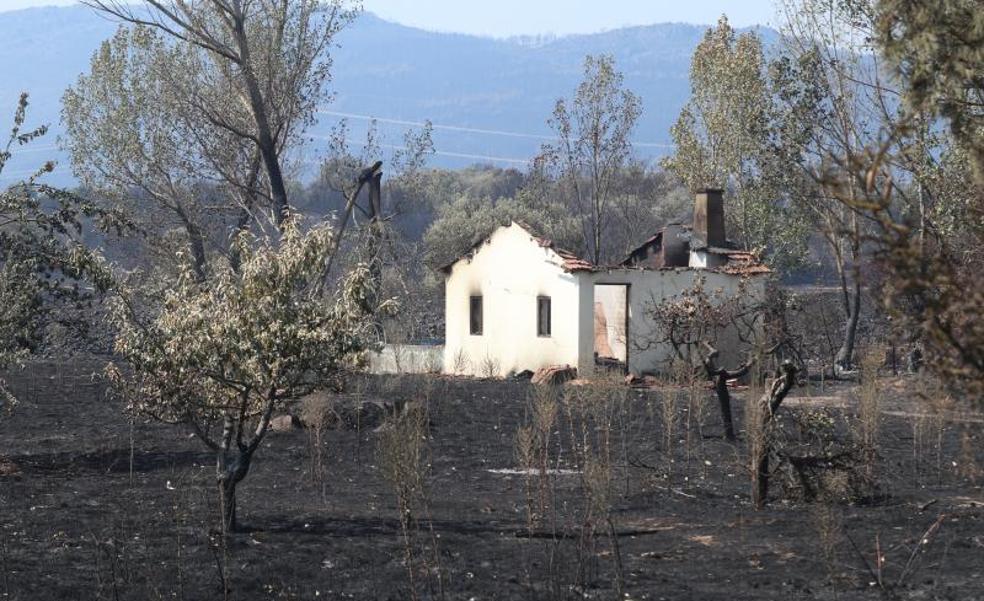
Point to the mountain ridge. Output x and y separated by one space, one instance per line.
397 74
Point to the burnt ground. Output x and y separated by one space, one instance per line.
91 517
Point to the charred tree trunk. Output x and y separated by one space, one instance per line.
720 376
761 443
234 453
375 236
724 400
196 243
365 176
265 138
760 478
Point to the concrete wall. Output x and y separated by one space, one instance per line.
510 271
645 288
407 359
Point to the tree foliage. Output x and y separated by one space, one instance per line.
222 358
938 54
44 264
895 151
470 220
593 146
727 137
200 108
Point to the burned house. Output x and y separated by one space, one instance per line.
518 302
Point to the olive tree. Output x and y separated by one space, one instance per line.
221 359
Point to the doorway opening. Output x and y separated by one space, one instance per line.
611 326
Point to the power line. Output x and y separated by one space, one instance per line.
18 151
446 153
461 128
9 175
460 155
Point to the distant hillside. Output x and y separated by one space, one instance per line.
397 74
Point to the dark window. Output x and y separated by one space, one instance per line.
475 315
543 316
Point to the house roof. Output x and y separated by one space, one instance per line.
655 238
739 262
570 261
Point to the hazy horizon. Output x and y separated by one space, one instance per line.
544 17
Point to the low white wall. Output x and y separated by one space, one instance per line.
407 359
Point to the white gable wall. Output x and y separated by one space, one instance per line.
510 270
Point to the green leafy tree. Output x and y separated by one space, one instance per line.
726 138
195 108
189 115
44 265
465 223
872 86
221 359
593 147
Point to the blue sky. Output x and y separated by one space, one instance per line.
529 17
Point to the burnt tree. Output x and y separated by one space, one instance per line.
760 446
720 377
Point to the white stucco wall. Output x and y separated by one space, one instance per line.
646 287
407 359
510 270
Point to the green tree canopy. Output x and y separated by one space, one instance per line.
727 137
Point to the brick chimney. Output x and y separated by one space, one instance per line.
709 219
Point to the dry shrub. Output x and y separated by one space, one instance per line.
402 454
490 367
434 363
929 426
526 455
592 414
318 415
399 359
696 411
534 442
668 417
587 418
460 362
829 528
868 427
